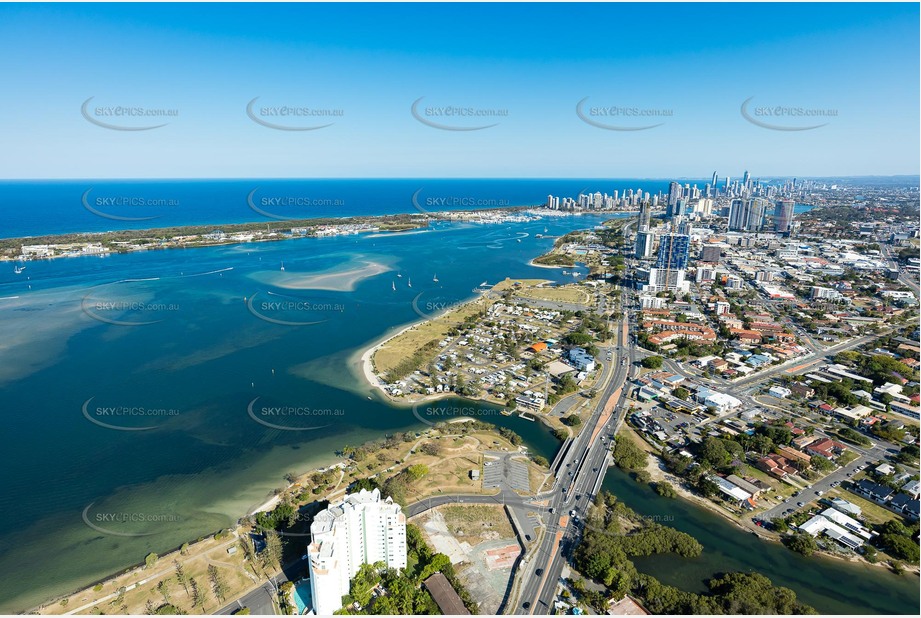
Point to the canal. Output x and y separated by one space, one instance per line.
830 586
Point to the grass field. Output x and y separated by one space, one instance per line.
569 294
871 511
404 345
475 523
230 568
509 284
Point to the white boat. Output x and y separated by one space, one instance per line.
565 272
394 285
435 278
409 282
400 275
19 269
282 266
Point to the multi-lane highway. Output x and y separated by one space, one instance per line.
587 459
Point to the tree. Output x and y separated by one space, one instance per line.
431 448
180 576
572 420
665 489
627 455
150 560
272 553
681 393
417 471
163 589
218 583
652 362
713 452
801 543
821 464
198 595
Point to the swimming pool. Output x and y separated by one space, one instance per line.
302 595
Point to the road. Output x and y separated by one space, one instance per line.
540 572
261 601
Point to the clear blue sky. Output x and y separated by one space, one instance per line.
536 60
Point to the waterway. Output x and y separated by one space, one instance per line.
831 586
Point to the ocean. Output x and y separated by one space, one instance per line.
147 396
29 208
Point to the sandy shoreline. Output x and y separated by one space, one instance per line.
531 263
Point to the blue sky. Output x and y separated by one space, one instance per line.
696 62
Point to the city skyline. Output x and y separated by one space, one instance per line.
548 104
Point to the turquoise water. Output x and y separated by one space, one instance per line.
82 499
302 595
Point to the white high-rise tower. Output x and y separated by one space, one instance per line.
361 529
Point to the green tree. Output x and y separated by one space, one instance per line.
652 362
801 543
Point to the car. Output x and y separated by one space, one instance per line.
800 504
539 572
819 493
526 605
572 513
551 509
527 537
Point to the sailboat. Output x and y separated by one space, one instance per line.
435 278
394 285
282 267
409 282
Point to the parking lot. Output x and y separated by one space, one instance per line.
512 473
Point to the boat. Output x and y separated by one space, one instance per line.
283 267
519 240
19 269
565 272
409 282
394 285
400 275
435 278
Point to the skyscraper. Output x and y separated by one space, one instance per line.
360 529
644 216
681 208
783 216
674 194
673 251
643 247
747 215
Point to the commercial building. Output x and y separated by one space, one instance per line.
710 253
360 529
644 243
783 216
